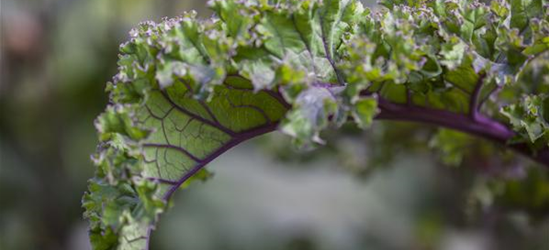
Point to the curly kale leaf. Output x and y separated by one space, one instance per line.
188 89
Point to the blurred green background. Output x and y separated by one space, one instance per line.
57 55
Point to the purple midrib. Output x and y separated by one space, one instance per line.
478 125
236 139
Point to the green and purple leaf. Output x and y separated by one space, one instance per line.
188 90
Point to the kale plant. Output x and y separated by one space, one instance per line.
189 89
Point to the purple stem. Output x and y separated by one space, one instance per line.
237 139
483 127
474 106
474 123
480 125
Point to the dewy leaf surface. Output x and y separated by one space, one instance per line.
188 89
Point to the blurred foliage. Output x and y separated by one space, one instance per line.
56 56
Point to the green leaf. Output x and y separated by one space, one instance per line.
187 89
523 10
313 107
453 53
365 110
540 37
528 117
